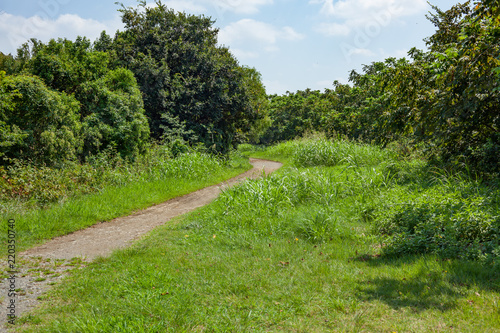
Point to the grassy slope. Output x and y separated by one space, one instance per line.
35 226
291 252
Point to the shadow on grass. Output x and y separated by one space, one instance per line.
416 294
432 283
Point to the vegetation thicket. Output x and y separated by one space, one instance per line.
78 117
163 76
187 80
66 103
445 101
81 118
345 237
357 232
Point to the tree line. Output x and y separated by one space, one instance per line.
445 100
163 76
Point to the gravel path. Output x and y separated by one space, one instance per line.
41 267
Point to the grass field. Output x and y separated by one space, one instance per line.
344 238
62 201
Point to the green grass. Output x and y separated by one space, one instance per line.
298 251
132 190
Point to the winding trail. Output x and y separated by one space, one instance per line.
42 266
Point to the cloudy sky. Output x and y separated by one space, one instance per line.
294 44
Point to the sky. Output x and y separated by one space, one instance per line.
294 44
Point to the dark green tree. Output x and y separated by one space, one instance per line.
252 81
111 106
295 114
183 74
9 64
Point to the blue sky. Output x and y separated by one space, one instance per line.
294 44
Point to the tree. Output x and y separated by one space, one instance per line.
184 75
44 124
64 65
9 64
465 113
111 107
252 81
295 114
113 115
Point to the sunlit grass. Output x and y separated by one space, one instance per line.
296 251
153 183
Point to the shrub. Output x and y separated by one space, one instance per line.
46 122
448 226
113 115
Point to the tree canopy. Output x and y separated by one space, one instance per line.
68 104
185 77
446 98
163 76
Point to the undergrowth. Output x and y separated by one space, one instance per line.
31 186
412 207
306 249
47 202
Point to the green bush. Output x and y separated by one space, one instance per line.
486 158
178 147
446 225
46 122
113 115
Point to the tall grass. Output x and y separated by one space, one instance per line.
307 152
414 208
54 202
298 250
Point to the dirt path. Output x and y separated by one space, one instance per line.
43 266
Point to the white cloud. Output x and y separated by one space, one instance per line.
16 30
289 33
220 6
242 54
333 29
368 15
349 51
251 30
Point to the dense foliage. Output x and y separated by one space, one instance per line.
163 77
77 105
67 104
411 207
188 81
40 124
446 99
